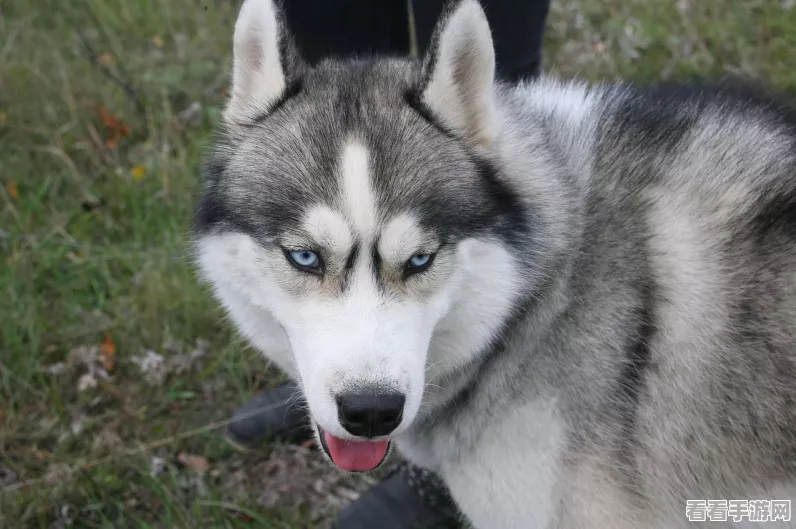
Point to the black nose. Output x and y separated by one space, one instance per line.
370 415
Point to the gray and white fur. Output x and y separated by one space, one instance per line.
607 328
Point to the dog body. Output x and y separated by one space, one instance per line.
576 303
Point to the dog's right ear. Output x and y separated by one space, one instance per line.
266 61
457 79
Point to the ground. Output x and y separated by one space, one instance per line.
117 370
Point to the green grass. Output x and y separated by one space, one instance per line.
94 240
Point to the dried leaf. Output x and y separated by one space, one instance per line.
196 463
12 189
107 352
106 58
157 41
138 172
2 118
116 129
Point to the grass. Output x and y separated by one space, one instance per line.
94 229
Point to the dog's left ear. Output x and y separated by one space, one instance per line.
266 60
458 75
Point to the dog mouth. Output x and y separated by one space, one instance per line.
352 455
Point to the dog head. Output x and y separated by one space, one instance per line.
354 224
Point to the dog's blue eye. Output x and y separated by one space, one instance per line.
418 263
420 260
304 258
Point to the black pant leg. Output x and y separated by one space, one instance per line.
343 28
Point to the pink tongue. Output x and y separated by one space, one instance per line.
355 456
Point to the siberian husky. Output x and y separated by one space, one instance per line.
574 302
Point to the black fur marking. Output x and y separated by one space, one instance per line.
749 328
655 117
212 211
776 215
762 371
661 114
292 90
744 94
376 267
284 40
289 57
413 98
432 52
349 264
646 120
631 380
512 219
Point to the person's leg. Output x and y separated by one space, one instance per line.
341 28
517 31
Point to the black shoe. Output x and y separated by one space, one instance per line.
279 414
409 498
